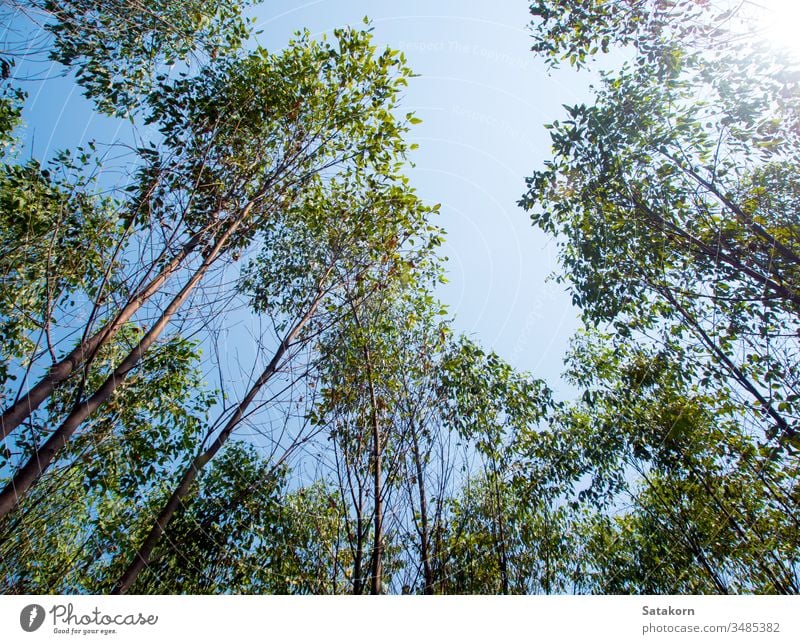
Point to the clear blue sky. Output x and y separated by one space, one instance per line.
483 98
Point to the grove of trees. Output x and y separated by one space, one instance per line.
225 369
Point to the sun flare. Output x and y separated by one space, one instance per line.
779 22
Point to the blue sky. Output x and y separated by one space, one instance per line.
483 98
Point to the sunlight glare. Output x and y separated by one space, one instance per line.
781 22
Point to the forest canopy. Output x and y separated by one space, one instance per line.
354 442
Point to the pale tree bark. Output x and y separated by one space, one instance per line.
27 475
59 372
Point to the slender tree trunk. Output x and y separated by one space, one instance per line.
26 476
697 550
145 551
503 553
424 535
29 401
355 541
376 587
501 531
358 575
377 452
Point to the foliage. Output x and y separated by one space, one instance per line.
117 50
655 464
675 216
11 100
672 199
57 239
532 555
375 449
67 533
244 532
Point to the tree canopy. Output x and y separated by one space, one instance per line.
229 370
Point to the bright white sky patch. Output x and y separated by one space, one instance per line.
779 22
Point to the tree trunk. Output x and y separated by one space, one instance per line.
145 551
26 476
502 553
376 587
358 575
427 572
377 553
28 402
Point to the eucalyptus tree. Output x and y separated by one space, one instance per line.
244 531
11 100
580 31
674 197
537 554
360 372
117 48
212 543
425 444
341 238
64 533
242 140
670 493
414 451
496 410
404 402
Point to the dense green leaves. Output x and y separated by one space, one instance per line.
118 49
251 386
57 241
676 216
80 516
672 198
